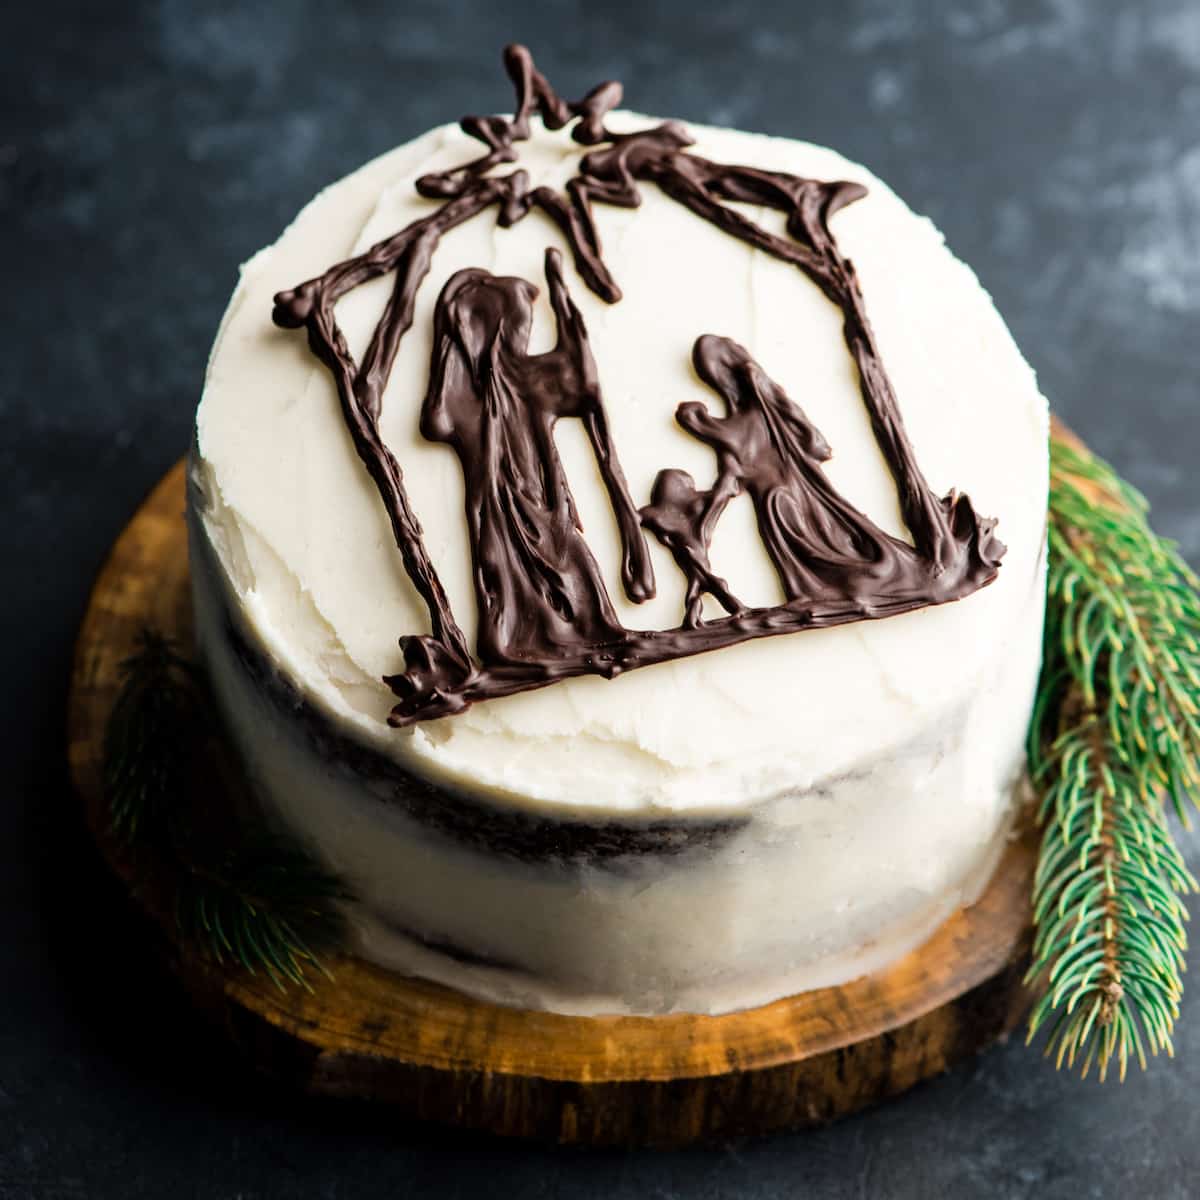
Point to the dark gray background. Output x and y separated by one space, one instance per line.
147 148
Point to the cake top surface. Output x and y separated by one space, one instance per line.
525 398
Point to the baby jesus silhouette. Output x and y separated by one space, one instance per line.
682 518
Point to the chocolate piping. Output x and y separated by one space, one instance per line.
539 590
544 612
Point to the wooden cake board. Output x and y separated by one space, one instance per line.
435 1054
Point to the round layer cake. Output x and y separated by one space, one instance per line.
785 766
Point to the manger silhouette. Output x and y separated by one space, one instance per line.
544 612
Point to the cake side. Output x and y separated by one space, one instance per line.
635 913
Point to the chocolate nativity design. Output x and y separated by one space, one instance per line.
544 612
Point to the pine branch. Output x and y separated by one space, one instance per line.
1115 728
241 891
266 907
148 741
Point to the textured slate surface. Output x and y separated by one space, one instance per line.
145 149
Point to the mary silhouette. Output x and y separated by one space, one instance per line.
539 590
820 545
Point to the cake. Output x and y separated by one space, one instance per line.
617 551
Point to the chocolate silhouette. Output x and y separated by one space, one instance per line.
683 519
544 612
538 587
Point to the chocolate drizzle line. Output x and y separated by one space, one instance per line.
544 612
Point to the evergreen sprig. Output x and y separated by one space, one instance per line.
266 906
156 720
241 891
1116 728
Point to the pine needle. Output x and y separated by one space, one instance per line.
249 898
1114 730
156 721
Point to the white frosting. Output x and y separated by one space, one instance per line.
870 768
302 532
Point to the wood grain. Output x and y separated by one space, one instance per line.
432 1053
